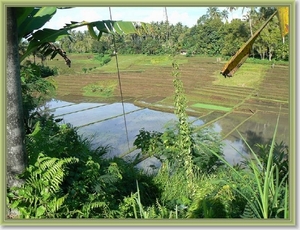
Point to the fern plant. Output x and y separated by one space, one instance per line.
40 196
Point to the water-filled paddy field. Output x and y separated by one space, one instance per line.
251 107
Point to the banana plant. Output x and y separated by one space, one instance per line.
30 20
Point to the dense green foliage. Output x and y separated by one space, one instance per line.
212 35
89 186
35 90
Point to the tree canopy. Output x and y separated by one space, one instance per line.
213 35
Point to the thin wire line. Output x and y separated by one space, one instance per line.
120 85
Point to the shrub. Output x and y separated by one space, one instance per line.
189 53
47 71
84 70
106 59
216 196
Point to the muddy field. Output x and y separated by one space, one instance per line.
253 111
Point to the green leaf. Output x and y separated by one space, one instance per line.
101 26
40 211
92 31
120 27
23 80
45 194
15 204
34 20
36 130
41 37
10 194
126 27
49 35
25 213
99 35
23 13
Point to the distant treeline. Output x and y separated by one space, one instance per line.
213 35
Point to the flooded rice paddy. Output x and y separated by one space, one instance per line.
231 108
104 125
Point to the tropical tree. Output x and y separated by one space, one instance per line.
270 37
213 12
208 37
242 54
224 15
282 51
231 9
235 34
250 17
202 19
15 132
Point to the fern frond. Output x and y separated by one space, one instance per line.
56 203
87 208
251 210
48 172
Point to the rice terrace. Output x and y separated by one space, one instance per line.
248 102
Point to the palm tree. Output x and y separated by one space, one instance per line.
213 12
231 9
224 15
249 17
202 19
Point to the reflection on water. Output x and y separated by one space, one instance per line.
103 124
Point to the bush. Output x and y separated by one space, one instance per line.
163 146
84 70
46 71
189 53
106 59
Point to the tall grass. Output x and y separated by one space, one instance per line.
267 197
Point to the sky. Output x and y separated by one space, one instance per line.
188 16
